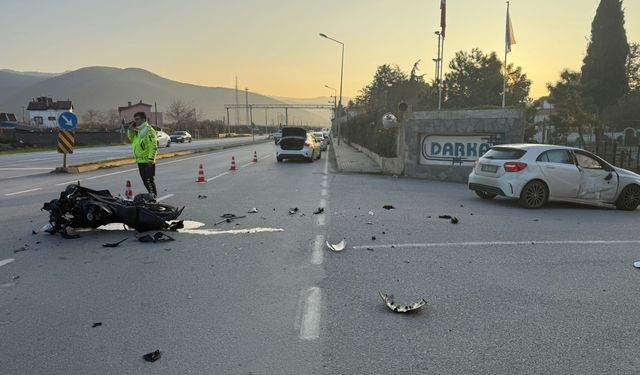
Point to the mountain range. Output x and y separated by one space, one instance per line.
104 88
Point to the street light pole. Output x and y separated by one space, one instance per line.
439 69
335 102
341 78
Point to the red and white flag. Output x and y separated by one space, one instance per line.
443 16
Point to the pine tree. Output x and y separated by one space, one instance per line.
604 73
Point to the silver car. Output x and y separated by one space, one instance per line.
535 174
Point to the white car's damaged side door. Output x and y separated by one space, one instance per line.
598 182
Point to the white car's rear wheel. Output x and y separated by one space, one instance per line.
534 195
629 199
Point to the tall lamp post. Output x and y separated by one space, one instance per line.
335 101
341 76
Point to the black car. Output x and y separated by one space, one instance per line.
180 136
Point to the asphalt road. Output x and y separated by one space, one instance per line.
509 290
33 163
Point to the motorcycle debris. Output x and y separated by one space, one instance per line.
319 211
637 264
157 237
388 301
253 211
337 247
153 356
388 207
33 232
114 244
68 236
177 225
444 217
202 196
293 211
371 213
98 324
454 220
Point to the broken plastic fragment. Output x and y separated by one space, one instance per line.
637 264
152 357
48 228
202 196
293 211
388 300
388 207
444 217
115 244
253 211
454 220
96 325
337 247
319 211
371 213
33 232
158 236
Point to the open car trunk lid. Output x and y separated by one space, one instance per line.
293 138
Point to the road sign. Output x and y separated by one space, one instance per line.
66 141
67 121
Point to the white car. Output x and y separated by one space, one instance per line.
163 139
296 143
535 174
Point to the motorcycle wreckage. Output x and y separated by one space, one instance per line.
81 207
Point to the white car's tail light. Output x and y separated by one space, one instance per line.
514 166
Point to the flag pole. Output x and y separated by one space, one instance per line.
506 55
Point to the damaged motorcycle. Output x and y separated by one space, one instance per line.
81 207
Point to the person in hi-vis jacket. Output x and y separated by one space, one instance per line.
144 142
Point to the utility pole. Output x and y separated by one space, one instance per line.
246 98
237 106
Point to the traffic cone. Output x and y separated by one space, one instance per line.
233 164
201 175
128 193
255 157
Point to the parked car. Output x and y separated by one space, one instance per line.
296 143
323 141
276 137
327 137
181 136
163 139
536 174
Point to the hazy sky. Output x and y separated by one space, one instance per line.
273 46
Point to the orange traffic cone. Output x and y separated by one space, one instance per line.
201 175
128 193
233 164
255 157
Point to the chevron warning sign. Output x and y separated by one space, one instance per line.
66 141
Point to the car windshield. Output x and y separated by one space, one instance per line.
504 153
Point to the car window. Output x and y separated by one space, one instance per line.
588 162
556 156
504 153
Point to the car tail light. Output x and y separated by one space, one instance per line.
514 166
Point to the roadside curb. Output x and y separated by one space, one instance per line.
106 164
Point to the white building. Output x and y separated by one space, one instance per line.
44 112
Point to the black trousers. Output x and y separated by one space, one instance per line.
148 175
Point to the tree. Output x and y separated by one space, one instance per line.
112 117
475 79
181 113
633 67
573 111
93 117
604 70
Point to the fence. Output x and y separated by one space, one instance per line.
627 157
367 131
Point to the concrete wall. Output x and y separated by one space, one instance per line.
463 135
50 138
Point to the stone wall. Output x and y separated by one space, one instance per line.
443 145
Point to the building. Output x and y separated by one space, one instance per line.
44 112
126 113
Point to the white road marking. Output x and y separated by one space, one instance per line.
323 192
111 174
218 176
317 253
6 261
324 184
214 232
494 243
310 322
165 197
20 192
